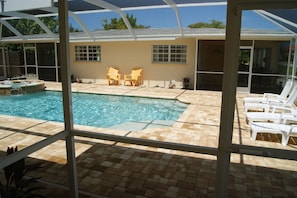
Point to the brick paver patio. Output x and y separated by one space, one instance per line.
113 169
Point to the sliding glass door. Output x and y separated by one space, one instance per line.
244 69
30 60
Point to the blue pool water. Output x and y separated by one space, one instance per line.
91 109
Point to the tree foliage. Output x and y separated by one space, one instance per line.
212 24
73 29
51 22
30 27
118 23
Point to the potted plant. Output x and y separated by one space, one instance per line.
18 184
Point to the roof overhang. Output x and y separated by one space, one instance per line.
154 34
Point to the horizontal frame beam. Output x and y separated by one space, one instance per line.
264 152
31 149
145 142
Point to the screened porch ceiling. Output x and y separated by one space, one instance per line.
34 9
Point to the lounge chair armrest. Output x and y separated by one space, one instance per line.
293 128
282 108
275 100
268 95
277 104
289 118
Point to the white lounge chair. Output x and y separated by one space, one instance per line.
277 114
266 106
266 96
265 127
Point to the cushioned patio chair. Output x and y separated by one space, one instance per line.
266 96
113 76
134 78
268 105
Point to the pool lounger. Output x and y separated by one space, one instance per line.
265 127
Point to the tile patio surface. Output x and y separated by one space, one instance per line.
113 169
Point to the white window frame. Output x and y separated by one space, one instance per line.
90 53
169 54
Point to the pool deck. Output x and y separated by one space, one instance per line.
113 169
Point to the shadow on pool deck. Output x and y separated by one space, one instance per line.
112 169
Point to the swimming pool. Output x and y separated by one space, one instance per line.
92 109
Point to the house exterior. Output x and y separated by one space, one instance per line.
126 55
164 54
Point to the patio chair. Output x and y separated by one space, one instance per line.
267 106
134 78
113 76
266 96
275 128
278 114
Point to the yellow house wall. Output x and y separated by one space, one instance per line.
126 55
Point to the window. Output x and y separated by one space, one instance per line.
46 54
178 53
88 53
169 53
262 60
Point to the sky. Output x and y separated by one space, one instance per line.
166 18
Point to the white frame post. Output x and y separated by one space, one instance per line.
67 98
232 46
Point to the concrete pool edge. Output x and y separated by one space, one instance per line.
15 87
